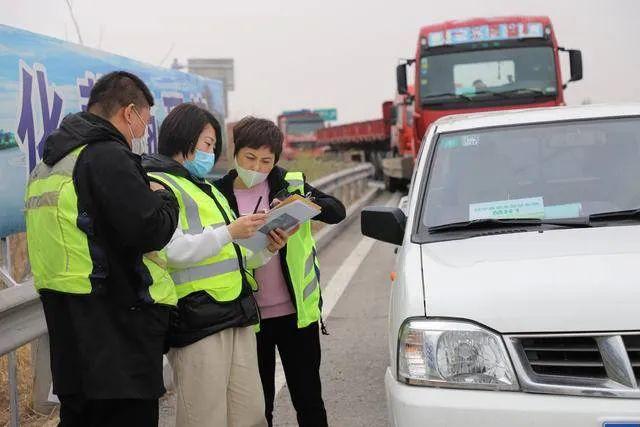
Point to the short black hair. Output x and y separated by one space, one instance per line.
116 90
253 132
181 128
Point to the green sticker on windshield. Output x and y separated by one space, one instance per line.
532 207
449 142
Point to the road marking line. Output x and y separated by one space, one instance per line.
337 285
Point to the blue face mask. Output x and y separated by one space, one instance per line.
201 164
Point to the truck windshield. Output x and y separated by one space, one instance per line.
481 75
542 171
303 128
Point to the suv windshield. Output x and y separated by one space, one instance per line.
543 171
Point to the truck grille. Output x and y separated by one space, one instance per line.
578 364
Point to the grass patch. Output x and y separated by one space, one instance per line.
28 417
315 167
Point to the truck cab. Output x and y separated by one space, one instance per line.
299 129
484 64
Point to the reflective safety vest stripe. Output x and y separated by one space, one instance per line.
59 249
162 291
221 275
303 264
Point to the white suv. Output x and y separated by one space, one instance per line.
517 293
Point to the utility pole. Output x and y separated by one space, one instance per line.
75 23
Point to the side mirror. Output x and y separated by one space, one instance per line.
383 223
575 60
401 78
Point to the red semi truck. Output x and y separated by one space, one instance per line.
370 138
480 64
299 129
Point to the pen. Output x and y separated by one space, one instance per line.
255 210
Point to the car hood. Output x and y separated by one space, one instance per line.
567 280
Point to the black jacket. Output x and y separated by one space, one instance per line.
198 315
109 344
333 210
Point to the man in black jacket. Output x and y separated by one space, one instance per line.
107 345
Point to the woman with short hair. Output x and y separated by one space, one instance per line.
212 339
289 294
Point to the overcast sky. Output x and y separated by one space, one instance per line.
292 54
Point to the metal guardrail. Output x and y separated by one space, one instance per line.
22 318
329 183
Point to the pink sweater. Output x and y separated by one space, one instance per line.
273 296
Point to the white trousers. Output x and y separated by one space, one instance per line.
217 381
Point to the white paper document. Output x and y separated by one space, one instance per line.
291 212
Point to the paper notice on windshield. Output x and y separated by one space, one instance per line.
571 210
532 207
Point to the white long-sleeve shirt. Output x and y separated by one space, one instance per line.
184 250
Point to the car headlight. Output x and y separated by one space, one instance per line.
453 354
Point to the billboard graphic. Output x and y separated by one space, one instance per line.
43 79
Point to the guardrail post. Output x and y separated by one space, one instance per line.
14 409
41 368
349 189
339 190
12 363
5 266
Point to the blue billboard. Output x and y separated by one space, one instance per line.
43 79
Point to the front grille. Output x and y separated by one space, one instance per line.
632 343
565 356
606 365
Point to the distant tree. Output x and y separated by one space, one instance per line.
587 101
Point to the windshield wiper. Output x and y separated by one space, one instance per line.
607 216
527 91
497 223
511 94
447 95
492 93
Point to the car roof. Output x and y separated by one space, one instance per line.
462 122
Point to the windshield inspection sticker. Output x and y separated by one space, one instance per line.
470 141
532 207
449 142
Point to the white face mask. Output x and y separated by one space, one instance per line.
249 177
139 145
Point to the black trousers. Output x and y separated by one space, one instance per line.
76 411
300 355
